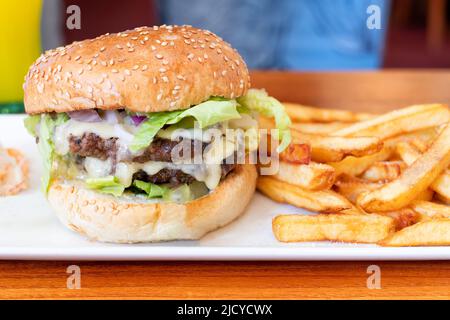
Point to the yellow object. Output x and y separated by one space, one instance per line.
20 44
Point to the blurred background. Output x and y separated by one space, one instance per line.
304 35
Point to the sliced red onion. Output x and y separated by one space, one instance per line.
137 120
85 116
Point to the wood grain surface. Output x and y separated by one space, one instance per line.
368 91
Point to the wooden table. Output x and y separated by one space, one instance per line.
374 92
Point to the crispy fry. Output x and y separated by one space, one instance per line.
335 227
314 176
384 171
434 232
403 218
441 185
351 188
431 210
320 201
332 149
354 166
318 128
300 113
399 121
297 153
413 181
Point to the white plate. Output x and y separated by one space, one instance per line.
29 230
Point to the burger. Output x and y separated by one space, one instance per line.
109 116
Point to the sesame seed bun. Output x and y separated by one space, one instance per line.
124 220
148 69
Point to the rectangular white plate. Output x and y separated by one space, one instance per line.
29 230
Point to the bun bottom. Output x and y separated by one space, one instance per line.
130 220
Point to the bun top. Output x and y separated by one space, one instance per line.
148 69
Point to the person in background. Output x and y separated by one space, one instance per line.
290 34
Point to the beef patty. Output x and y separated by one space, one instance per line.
176 177
92 145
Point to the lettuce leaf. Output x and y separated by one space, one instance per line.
31 123
152 190
261 102
46 146
206 114
108 185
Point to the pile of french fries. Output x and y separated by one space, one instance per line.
381 179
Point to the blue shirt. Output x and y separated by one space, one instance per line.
290 34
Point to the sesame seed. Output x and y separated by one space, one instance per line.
190 56
127 72
200 59
158 56
224 72
80 71
153 47
144 67
114 71
118 46
136 86
159 97
77 58
177 88
180 77
164 43
162 70
165 79
135 67
165 62
111 62
131 50
102 49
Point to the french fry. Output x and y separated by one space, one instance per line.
362 228
354 166
333 149
403 218
351 188
318 128
431 210
413 181
296 153
313 176
300 113
399 121
320 201
384 171
434 232
441 185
